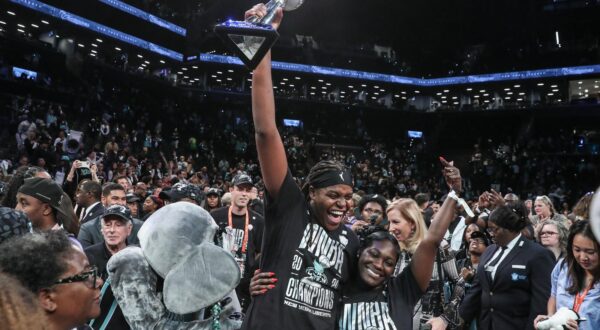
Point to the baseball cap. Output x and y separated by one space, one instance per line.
120 211
180 191
213 191
12 223
132 198
46 191
481 235
241 179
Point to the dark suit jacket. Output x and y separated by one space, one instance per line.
95 212
90 233
519 292
98 255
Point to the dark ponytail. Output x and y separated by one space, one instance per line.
512 216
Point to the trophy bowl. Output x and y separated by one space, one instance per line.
252 38
292 5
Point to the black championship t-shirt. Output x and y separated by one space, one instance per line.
310 263
255 234
391 309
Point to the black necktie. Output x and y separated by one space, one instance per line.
492 265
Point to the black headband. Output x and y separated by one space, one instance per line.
332 178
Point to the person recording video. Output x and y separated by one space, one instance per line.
371 212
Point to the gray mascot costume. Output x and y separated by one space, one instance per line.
177 244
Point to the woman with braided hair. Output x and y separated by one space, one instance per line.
305 242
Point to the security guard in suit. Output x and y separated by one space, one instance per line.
512 284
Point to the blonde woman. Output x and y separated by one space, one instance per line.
408 226
544 210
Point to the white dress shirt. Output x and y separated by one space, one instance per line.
506 251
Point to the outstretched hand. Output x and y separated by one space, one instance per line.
452 175
260 11
484 201
496 198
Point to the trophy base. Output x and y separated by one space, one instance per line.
249 41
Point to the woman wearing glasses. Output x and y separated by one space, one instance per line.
58 274
553 236
512 285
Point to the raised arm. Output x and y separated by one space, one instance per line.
424 257
271 153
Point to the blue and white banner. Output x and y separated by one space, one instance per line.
99 28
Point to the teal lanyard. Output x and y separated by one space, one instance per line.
111 311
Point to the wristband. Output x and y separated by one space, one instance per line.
452 194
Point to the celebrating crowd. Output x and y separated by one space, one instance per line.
119 226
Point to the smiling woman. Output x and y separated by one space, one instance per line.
305 242
377 296
57 273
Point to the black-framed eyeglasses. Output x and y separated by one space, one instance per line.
491 230
89 277
372 211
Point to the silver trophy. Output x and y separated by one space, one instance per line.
251 39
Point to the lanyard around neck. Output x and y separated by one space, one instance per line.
580 297
230 223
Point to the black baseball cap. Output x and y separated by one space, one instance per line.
481 235
242 179
46 191
213 191
131 198
180 191
119 211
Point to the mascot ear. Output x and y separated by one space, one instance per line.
133 284
171 233
217 274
